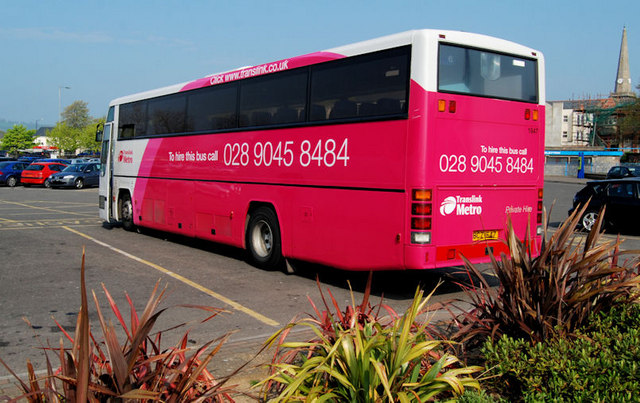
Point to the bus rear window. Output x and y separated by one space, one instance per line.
487 74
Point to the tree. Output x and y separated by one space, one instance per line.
70 139
76 115
629 123
63 137
17 138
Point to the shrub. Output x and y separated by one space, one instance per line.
599 364
555 291
479 396
355 356
137 369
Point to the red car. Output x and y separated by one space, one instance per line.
38 173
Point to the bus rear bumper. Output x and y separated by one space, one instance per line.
418 257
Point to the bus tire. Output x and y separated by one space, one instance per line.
263 239
126 212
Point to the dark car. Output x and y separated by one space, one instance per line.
623 171
621 197
38 173
77 176
60 160
10 172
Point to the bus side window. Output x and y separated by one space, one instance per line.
343 109
212 108
318 112
126 131
372 85
133 120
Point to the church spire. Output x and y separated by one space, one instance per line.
623 87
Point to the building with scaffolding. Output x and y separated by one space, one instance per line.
591 125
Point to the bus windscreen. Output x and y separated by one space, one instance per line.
470 71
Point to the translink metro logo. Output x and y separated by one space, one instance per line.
461 205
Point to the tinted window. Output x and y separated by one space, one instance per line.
133 120
621 189
212 108
489 74
166 115
110 114
276 99
35 167
369 85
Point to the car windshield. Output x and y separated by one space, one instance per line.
75 168
35 167
4 164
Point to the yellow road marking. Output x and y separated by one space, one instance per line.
185 280
47 209
40 228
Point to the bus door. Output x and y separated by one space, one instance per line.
106 173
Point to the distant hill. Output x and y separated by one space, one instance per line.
8 124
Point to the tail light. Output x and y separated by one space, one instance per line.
540 211
421 215
421 223
442 106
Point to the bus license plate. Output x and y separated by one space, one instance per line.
485 235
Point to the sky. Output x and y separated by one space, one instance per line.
105 49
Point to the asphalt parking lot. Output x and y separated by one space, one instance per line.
42 236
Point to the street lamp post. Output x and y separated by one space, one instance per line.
60 100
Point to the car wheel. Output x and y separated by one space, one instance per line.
12 181
263 239
79 183
588 220
126 212
47 183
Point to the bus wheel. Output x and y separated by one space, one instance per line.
263 239
126 212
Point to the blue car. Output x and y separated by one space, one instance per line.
11 171
76 175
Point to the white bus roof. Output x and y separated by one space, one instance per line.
427 38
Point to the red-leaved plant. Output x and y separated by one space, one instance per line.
551 293
139 368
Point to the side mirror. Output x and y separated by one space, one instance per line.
99 131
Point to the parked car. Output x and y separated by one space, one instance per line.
623 171
10 172
621 197
60 160
76 175
37 173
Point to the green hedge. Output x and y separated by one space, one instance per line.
600 363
